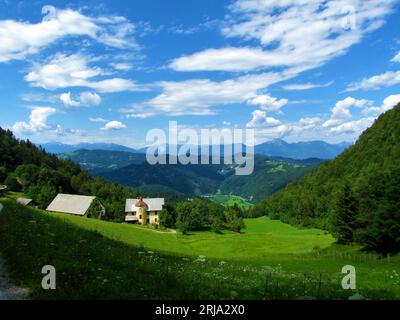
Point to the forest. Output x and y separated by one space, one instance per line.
355 196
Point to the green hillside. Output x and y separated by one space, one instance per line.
355 195
269 176
102 260
25 167
96 161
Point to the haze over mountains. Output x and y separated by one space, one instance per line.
274 148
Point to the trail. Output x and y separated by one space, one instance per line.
8 291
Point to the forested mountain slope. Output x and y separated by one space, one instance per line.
356 195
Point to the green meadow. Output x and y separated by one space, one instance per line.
101 260
261 238
230 200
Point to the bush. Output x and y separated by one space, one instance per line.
13 183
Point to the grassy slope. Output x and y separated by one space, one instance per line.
262 238
90 265
230 200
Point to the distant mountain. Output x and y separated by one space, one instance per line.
96 161
270 175
58 148
301 150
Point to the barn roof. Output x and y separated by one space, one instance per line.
69 203
24 201
154 204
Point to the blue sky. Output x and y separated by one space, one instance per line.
297 70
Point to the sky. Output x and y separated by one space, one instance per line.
110 71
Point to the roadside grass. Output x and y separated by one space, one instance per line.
92 265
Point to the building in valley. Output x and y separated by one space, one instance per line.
143 211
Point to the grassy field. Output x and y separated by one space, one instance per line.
230 200
259 240
271 260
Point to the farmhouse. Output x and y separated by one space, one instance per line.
3 190
143 211
84 206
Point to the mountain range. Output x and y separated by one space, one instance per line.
270 174
274 148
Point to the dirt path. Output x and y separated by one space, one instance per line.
7 290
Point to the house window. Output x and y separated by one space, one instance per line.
156 220
140 217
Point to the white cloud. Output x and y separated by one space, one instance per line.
90 98
226 123
85 99
296 34
357 126
306 86
387 79
64 71
341 110
37 121
97 120
396 58
122 66
114 125
197 97
19 39
310 121
68 101
388 104
268 103
260 120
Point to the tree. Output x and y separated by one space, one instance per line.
344 215
13 183
3 173
233 218
167 216
42 194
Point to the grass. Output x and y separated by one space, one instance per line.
100 260
230 200
262 238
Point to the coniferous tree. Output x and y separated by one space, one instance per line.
344 215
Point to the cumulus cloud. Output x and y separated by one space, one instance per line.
90 98
295 34
114 125
357 126
388 104
19 39
68 101
341 110
260 120
65 71
37 121
386 79
85 99
268 103
197 97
